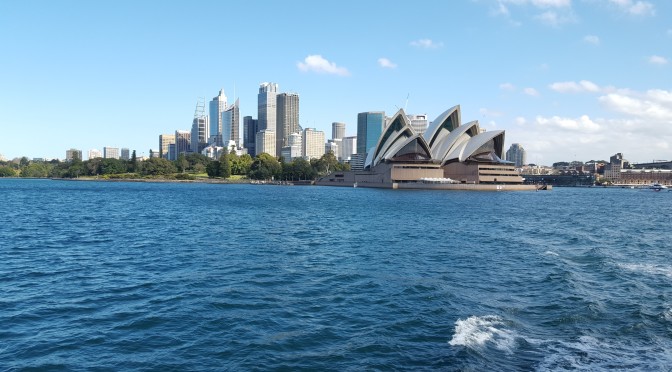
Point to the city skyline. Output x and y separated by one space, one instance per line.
568 80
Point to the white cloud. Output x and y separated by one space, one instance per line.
641 129
490 113
658 60
554 19
531 92
507 86
574 87
591 39
582 124
540 3
654 105
316 63
386 63
426 44
635 8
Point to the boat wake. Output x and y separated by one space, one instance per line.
475 332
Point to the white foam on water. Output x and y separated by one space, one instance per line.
667 315
651 269
476 331
551 253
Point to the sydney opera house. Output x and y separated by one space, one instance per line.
448 155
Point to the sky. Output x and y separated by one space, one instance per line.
567 79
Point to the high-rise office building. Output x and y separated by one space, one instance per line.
73 154
199 134
313 143
369 129
516 154
164 145
294 148
94 153
182 142
333 145
217 106
265 142
249 134
267 106
348 147
419 123
287 118
125 154
230 120
337 130
111 152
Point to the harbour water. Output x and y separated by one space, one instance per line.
165 276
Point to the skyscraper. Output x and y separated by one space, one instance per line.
265 142
337 130
348 147
249 134
111 152
217 106
516 154
125 154
199 134
94 153
73 154
267 106
230 120
287 119
419 123
313 143
182 142
164 145
369 129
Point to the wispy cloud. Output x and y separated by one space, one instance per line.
591 39
669 32
426 44
554 19
658 60
531 92
507 86
317 63
386 63
574 87
635 7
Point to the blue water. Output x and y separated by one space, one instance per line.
152 276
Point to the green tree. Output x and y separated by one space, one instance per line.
181 163
212 169
240 165
224 165
265 167
112 166
24 161
197 162
133 163
158 166
35 170
6 171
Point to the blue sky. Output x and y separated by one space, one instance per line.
568 79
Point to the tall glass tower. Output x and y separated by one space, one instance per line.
217 106
369 129
267 106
